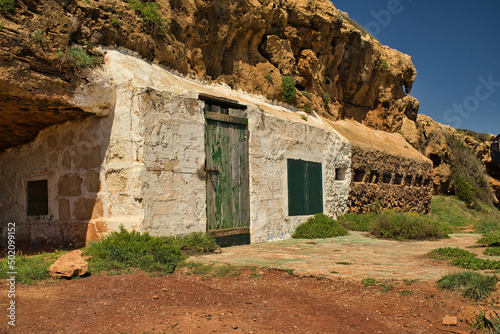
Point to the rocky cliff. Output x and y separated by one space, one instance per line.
339 70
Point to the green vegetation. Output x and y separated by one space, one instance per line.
115 21
1 25
38 36
6 4
464 259
326 98
30 268
288 88
307 109
304 117
472 285
150 13
449 253
469 181
368 281
125 249
384 63
408 226
81 58
268 77
357 222
319 226
344 263
356 25
306 94
405 293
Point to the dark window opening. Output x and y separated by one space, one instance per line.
374 177
359 175
408 180
398 179
38 198
387 178
305 188
340 174
436 160
418 181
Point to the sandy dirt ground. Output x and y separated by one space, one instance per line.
323 295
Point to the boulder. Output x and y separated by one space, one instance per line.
69 265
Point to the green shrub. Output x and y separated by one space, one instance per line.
307 109
319 226
268 77
115 21
304 117
491 239
475 263
81 58
193 243
492 251
38 36
473 285
384 63
326 99
368 281
133 249
408 226
6 4
150 13
469 181
357 222
449 253
288 88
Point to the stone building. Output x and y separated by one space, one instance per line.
167 155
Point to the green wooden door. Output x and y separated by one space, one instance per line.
228 206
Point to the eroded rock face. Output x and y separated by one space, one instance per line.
249 45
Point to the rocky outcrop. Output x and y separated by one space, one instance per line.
432 140
339 70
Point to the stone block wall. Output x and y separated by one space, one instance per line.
381 180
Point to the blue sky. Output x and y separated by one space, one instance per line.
455 47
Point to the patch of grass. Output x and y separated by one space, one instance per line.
408 226
473 285
357 222
450 210
81 58
193 243
6 4
368 281
384 63
307 94
288 88
1 25
319 226
386 287
475 263
406 293
492 251
268 77
226 270
115 21
304 117
449 253
255 275
357 26
344 263
307 109
289 271
410 281
29 268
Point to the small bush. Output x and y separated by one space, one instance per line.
449 253
288 88
37 35
491 239
319 226
81 58
115 21
473 285
475 263
133 249
6 4
384 63
326 99
408 226
357 222
307 109
304 117
193 243
368 281
492 251
150 13
268 77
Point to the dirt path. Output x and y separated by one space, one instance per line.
354 256
261 300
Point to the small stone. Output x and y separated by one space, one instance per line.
155 297
450 321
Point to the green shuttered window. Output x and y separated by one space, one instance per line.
305 188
